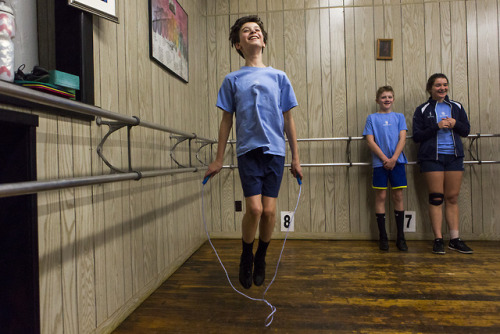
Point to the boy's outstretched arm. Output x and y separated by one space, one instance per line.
291 134
225 128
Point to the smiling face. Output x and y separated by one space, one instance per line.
439 89
251 36
385 101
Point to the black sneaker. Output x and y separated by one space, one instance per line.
246 264
459 246
438 247
383 244
401 245
259 272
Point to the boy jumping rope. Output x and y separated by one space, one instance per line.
385 133
260 98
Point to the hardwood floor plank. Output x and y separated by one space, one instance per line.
331 286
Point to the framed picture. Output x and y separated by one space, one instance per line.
168 32
103 8
384 49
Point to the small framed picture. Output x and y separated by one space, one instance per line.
103 8
384 49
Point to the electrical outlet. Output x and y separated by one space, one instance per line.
237 206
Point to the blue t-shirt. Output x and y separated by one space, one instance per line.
444 136
385 128
258 96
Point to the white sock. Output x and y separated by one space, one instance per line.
453 234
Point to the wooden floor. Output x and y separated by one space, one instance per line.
331 287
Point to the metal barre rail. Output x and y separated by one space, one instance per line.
31 187
15 91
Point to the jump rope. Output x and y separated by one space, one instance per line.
270 317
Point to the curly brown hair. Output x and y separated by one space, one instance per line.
234 33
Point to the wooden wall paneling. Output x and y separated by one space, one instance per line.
295 67
432 27
233 188
113 206
226 177
311 4
414 65
446 48
158 183
236 62
121 32
245 7
365 85
327 112
293 4
379 26
84 223
147 136
488 39
351 104
459 81
276 58
135 207
339 111
394 68
68 228
49 230
213 114
98 192
315 118
473 112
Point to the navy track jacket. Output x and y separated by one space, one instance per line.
425 128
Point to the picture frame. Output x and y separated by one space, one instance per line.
384 48
168 37
103 8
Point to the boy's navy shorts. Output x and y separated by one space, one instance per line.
397 177
444 163
260 173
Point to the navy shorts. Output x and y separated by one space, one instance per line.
260 173
444 163
397 177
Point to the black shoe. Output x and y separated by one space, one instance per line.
383 244
438 247
401 245
246 264
259 272
459 246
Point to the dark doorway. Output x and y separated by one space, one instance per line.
19 284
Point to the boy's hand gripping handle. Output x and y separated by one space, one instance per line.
299 180
205 180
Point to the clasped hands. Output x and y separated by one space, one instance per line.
447 123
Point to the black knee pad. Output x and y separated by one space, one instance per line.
436 199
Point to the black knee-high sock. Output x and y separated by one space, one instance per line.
400 220
260 254
381 225
247 251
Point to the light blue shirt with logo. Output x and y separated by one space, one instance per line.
444 136
258 96
385 128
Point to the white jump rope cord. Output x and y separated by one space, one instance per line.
270 317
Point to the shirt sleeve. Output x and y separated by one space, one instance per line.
288 99
368 127
402 123
225 98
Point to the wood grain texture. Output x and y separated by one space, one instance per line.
330 286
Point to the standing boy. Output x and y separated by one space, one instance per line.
260 97
385 133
